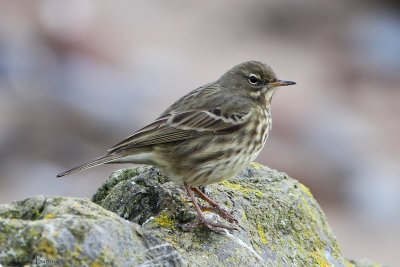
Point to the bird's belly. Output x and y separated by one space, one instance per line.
210 160
223 168
222 162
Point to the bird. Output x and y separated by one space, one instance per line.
209 135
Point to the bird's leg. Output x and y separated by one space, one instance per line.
215 206
203 220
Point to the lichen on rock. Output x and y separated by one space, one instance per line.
280 224
138 217
63 231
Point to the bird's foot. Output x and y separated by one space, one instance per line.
221 212
214 206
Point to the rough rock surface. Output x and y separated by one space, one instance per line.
59 231
280 224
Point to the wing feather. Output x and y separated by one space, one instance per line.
182 126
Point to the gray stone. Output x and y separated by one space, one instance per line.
365 263
140 220
280 223
59 231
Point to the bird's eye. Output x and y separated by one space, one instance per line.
253 79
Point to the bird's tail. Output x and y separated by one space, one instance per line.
95 162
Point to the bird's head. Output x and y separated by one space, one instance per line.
253 79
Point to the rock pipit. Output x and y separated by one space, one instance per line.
207 136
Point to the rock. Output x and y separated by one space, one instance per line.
365 263
142 218
280 223
59 231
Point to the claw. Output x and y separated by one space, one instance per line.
214 207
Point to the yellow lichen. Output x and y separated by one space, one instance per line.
164 220
306 190
256 165
261 234
257 247
243 190
48 248
96 264
77 252
172 239
50 216
320 259
244 216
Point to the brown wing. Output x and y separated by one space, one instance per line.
183 126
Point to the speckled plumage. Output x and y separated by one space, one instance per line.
208 135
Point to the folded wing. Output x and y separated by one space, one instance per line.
183 126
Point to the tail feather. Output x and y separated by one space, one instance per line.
95 162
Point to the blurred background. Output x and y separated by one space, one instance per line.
77 76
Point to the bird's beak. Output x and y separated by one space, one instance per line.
281 83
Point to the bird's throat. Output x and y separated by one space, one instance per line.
264 96
268 96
